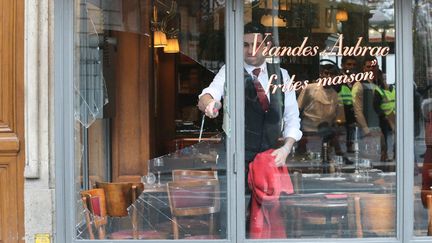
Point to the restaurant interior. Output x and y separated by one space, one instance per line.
150 165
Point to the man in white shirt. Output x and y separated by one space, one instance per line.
268 116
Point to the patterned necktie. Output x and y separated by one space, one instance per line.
262 97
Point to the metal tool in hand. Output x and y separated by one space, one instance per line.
202 128
216 108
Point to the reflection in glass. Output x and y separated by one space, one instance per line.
422 108
158 162
343 168
338 161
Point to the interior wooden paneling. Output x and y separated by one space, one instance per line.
11 121
130 128
146 77
97 152
131 124
127 126
166 99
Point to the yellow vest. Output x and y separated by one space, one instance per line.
388 104
345 95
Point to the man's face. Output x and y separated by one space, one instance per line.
248 42
349 65
369 66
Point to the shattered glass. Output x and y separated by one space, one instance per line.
193 204
90 86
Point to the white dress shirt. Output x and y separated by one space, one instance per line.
291 124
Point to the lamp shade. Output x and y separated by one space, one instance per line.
271 20
159 39
342 15
172 46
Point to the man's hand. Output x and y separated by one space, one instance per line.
282 153
212 109
209 106
280 156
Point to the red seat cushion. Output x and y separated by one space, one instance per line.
128 234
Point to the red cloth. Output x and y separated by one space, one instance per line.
267 182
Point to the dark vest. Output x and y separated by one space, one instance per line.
262 129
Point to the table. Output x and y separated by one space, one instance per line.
330 183
155 188
315 166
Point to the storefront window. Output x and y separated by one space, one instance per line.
152 119
149 164
422 21
320 111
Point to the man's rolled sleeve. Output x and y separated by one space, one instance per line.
216 87
291 115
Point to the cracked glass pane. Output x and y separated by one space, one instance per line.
138 75
171 202
90 84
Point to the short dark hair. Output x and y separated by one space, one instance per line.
346 58
254 27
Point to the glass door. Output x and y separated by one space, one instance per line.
319 110
422 107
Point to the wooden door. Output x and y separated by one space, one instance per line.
11 121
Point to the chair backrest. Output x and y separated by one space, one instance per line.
178 175
429 207
193 198
424 193
119 196
94 202
375 214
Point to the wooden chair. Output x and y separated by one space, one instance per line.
318 217
113 199
178 175
193 198
189 174
429 207
94 203
374 215
426 198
